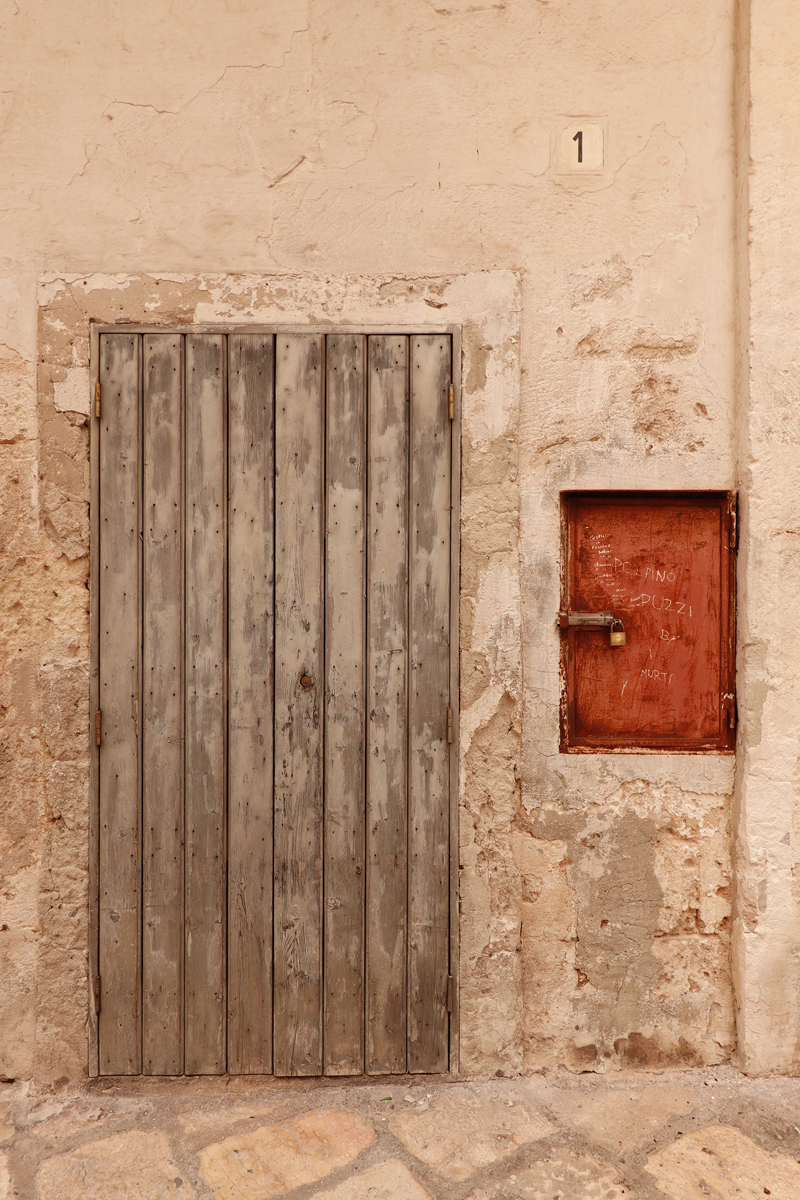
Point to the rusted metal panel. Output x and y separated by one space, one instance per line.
663 563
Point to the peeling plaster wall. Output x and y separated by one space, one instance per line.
323 160
487 306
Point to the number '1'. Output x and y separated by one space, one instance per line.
579 139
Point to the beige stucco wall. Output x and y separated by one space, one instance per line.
323 160
485 306
767 915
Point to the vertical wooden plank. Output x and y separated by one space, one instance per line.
250 723
93 1064
120 1021
343 1010
387 642
455 753
162 713
299 418
205 888
429 602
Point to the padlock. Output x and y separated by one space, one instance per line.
618 635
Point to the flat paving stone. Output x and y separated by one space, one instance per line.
621 1119
126 1166
390 1180
56 1122
562 1176
552 1136
207 1120
720 1162
459 1134
275 1158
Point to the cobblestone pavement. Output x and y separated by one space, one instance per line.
705 1134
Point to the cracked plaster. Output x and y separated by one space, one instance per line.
486 306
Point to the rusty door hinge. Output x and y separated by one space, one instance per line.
733 523
98 727
729 705
450 992
97 399
96 989
452 406
449 726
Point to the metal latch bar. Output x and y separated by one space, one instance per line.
600 620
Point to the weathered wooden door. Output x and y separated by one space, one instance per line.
272 610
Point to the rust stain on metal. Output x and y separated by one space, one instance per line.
661 563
